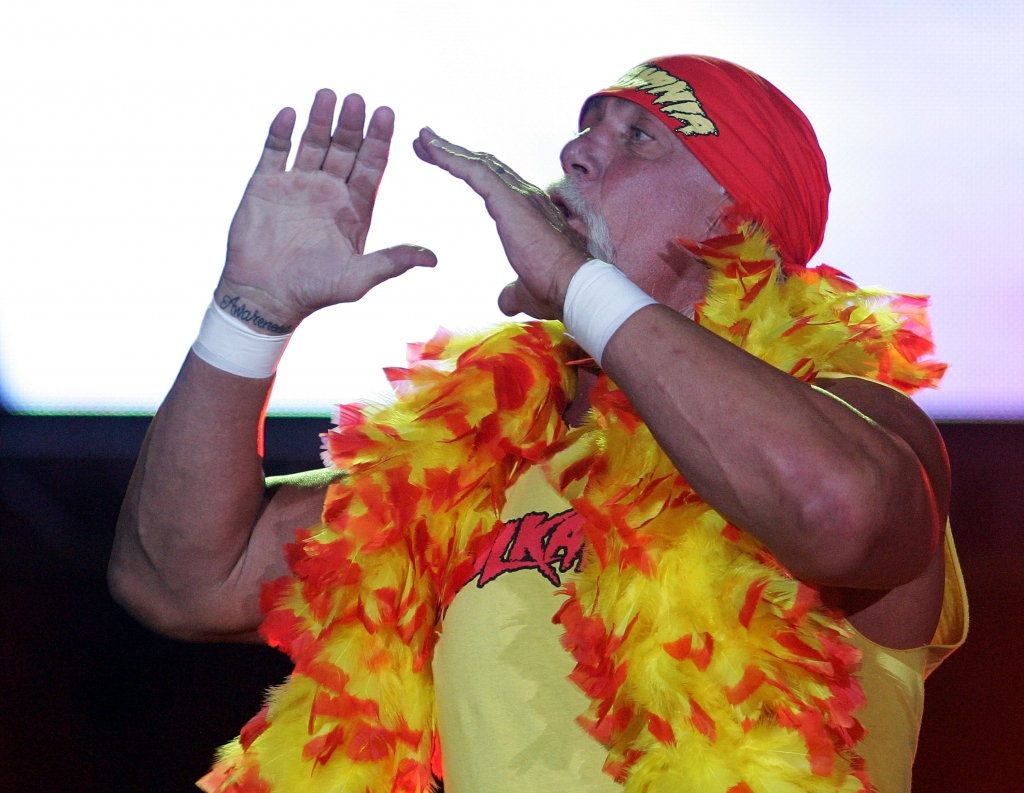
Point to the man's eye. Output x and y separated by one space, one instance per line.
637 135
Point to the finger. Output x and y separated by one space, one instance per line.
508 300
348 136
482 172
372 157
279 142
316 139
428 142
375 268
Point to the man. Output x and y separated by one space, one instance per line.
810 510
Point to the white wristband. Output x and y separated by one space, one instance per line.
599 299
229 344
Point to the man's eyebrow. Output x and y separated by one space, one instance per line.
592 105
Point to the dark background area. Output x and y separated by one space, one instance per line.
92 701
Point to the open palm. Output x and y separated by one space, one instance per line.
296 241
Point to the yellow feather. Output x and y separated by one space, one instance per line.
719 669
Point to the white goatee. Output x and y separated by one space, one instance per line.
599 238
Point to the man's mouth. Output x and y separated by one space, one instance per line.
558 201
582 216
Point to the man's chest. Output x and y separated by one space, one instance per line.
505 704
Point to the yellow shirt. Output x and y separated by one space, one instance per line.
507 711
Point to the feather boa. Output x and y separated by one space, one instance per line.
708 667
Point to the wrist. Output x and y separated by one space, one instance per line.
598 300
235 346
254 309
563 279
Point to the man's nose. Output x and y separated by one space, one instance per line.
581 155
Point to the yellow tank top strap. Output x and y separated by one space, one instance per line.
843 375
954 620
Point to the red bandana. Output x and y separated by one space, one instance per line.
751 138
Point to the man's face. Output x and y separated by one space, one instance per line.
631 171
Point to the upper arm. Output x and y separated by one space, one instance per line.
229 610
898 415
293 502
906 615
916 505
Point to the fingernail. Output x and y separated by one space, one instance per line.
428 129
436 142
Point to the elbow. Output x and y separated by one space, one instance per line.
872 529
837 539
137 597
135 584
149 602
170 600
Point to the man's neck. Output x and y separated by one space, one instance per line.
577 410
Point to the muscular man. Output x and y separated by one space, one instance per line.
836 484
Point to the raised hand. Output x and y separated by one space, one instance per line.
296 241
540 245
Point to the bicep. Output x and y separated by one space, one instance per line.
292 503
905 423
905 616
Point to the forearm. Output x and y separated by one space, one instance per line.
193 500
197 535
814 480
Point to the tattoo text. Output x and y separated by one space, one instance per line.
251 316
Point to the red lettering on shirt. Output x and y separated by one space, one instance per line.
552 544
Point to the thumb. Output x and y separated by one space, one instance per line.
379 266
516 298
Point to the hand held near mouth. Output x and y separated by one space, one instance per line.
543 249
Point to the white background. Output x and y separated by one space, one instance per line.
129 130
